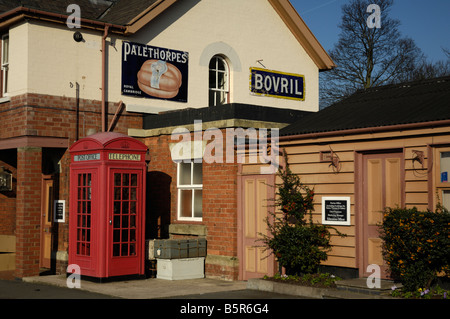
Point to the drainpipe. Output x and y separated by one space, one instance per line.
104 113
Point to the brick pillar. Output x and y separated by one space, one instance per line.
28 211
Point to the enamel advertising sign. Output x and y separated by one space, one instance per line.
277 84
154 72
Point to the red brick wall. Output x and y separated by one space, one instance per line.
28 211
219 203
56 116
8 204
48 116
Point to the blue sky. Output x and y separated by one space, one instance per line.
426 22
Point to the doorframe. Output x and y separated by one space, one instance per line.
359 198
44 200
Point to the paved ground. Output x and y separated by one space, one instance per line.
10 289
25 290
55 287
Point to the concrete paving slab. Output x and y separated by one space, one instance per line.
146 288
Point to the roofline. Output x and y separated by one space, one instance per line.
376 129
283 7
16 14
303 34
147 15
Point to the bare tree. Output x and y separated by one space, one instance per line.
366 55
428 70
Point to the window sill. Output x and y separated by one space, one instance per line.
5 99
187 229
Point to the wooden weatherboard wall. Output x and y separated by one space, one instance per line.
332 165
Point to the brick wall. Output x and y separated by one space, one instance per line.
56 116
8 201
28 211
219 205
47 116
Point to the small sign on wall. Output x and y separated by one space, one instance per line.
60 211
336 210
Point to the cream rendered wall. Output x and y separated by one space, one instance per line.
244 31
249 30
18 60
56 60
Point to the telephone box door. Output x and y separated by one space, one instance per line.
125 222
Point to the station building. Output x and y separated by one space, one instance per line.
143 70
381 147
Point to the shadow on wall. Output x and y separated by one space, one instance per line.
157 218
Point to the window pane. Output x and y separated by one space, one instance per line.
221 79
212 80
220 64
223 97
445 166
198 203
198 174
446 199
5 53
133 179
185 174
185 202
212 63
126 180
117 179
212 101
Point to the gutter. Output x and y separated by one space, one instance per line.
104 113
366 130
55 17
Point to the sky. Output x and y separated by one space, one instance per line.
426 22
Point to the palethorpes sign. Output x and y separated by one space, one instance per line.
154 72
277 84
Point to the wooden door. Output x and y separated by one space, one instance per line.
382 187
46 222
256 198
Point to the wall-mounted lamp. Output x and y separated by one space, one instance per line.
77 36
5 180
418 156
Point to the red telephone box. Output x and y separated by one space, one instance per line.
107 203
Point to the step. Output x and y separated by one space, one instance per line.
359 285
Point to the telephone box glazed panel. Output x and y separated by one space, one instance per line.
107 202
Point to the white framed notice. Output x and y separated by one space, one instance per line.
59 211
336 211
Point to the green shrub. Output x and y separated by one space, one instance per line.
299 245
416 246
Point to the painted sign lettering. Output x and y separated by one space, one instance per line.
124 157
277 84
86 157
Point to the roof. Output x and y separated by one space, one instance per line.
90 9
405 103
223 112
129 16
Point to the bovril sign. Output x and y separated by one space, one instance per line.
277 84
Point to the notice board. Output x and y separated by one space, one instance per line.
336 210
